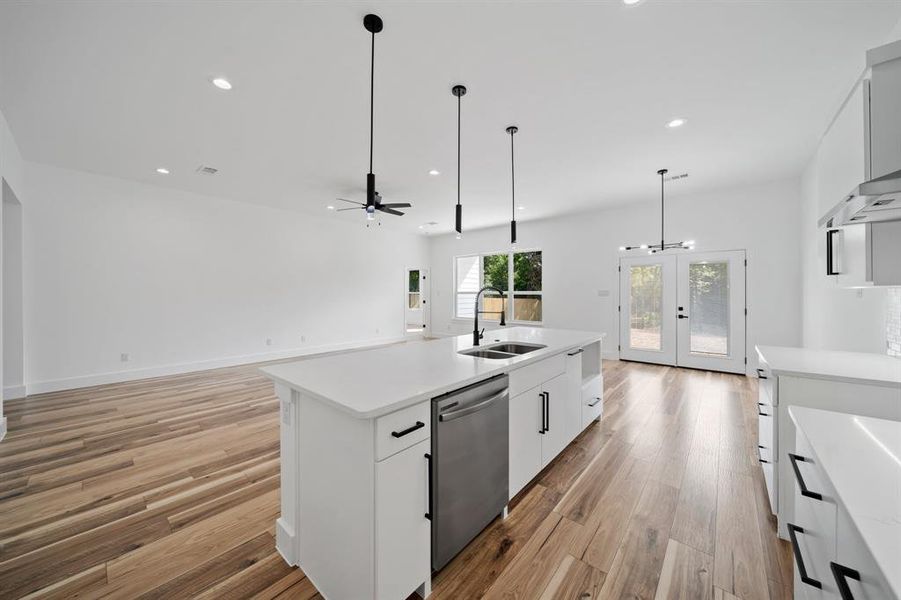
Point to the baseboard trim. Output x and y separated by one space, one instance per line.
2 428
14 392
83 381
610 355
285 543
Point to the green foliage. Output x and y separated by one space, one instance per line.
494 269
413 285
527 271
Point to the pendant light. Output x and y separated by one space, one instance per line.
459 91
511 130
663 245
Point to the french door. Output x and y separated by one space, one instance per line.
684 309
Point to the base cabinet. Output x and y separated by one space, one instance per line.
402 529
525 440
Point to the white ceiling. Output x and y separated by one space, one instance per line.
123 88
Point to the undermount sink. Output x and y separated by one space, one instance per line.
502 350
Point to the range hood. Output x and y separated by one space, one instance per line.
872 201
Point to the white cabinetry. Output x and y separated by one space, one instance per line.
402 532
551 402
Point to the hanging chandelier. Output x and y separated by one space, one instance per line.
663 245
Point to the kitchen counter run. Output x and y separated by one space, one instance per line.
371 383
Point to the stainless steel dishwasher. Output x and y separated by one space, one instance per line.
470 457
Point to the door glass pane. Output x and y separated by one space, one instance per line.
708 308
645 306
413 301
413 281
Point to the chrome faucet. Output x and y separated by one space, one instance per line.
476 334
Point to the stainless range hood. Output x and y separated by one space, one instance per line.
872 201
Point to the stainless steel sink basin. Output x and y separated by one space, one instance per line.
486 353
515 347
502 350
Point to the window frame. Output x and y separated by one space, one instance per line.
509 294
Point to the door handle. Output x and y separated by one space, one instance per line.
547 411
841 573
794 458
428 460
543 413
456 414
793 530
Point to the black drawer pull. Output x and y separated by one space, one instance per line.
841 573
799 560
762 414
794 458
428 458
595 403
760 374
579 351
411 429
759 448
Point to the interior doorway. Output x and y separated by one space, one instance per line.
13 338
685 310
417 304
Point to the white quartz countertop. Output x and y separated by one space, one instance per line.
854 367
371 383
861 457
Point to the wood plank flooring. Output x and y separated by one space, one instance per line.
169 488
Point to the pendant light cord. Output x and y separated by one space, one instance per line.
662 213
371 99
512 180
458 150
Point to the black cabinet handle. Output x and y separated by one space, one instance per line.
682 316
760 374
842 574
579 351
794 458
830 252
793 530
547 411
759 448
428 459
595 403
543 412
411 429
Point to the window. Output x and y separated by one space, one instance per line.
413 299
497 270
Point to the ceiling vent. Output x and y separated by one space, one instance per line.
204 170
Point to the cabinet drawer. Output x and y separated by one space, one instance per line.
852 553
766 388
402 429
767 438
769 477
592 400
529 376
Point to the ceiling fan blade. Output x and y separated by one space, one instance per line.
398 205
351 201
390 211
352 208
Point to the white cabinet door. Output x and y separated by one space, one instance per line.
554 438
525 439
856 566
573 394
402 531
592 400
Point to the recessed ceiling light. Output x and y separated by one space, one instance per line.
434 172
162 171
679 122
520 207
631 2
222 83
330 207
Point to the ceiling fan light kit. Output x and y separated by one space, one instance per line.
663 245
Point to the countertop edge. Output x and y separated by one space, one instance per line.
521 361
761 350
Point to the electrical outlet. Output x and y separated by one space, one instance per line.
268 341
123 357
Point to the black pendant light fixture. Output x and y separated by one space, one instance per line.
663 245
459 91
373 24
511 130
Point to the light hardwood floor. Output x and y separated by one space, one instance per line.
168 488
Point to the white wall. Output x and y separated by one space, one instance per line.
13 360
11 172
180 281
581 256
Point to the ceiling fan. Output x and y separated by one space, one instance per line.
373 24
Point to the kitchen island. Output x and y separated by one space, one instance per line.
356 446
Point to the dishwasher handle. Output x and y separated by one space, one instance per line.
456 414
